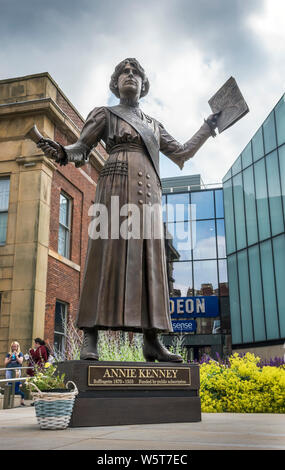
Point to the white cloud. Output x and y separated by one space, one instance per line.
188 51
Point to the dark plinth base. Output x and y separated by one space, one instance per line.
148 402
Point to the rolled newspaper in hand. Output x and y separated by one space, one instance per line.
34 134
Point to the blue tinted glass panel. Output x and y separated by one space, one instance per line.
256 294
274 192
178 208
3 227
227 175
269 133
246 156
262 200
163 204
219 203
234 300
270 302
180 279
250 208
245 304
239 212
221 240
179 239
204 239
280 121
279 260
282 174
229 217
223 271
202 205
257 145
236 168
205 277
223 278
63 210
4 193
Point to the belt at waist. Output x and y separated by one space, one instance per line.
131 147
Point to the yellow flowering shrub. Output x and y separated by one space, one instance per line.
242 386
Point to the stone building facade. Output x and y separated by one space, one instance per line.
41 254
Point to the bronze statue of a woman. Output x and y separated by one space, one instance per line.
125 284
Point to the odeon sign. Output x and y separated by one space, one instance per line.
193 307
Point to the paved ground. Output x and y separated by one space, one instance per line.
217 431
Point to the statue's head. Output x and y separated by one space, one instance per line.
129 66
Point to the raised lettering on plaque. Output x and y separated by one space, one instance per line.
160 376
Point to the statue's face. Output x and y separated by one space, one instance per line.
129 82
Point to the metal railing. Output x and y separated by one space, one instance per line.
9 386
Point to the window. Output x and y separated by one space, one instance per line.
64 226
60 319
4 203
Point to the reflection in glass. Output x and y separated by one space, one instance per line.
257 145
180 279
205 277
3 227
203 201
245 305
223 278
229 217
221 239
282 173
262 200
236 168
250 209
256 294
279 247
239 212
163 204
270 301
234 300
179 236
178 208
274 193
269 133
204 246
219 203
280 121
246 156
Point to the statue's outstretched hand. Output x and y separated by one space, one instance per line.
212 121
51 149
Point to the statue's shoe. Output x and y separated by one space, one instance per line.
89 347
154 350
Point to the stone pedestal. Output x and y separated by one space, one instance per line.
120 393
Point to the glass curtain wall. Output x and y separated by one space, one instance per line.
254 204
196 251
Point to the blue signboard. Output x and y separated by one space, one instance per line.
184 326
192 307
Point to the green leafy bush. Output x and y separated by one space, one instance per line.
242 386
46 379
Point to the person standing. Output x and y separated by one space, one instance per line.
14 360
38 356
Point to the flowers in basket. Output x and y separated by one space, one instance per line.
53 402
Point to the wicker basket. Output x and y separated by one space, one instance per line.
53 409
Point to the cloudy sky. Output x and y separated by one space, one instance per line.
188 48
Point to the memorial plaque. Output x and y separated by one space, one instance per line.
138 376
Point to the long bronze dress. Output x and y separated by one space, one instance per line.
125 280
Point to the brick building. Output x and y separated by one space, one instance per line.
43 213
